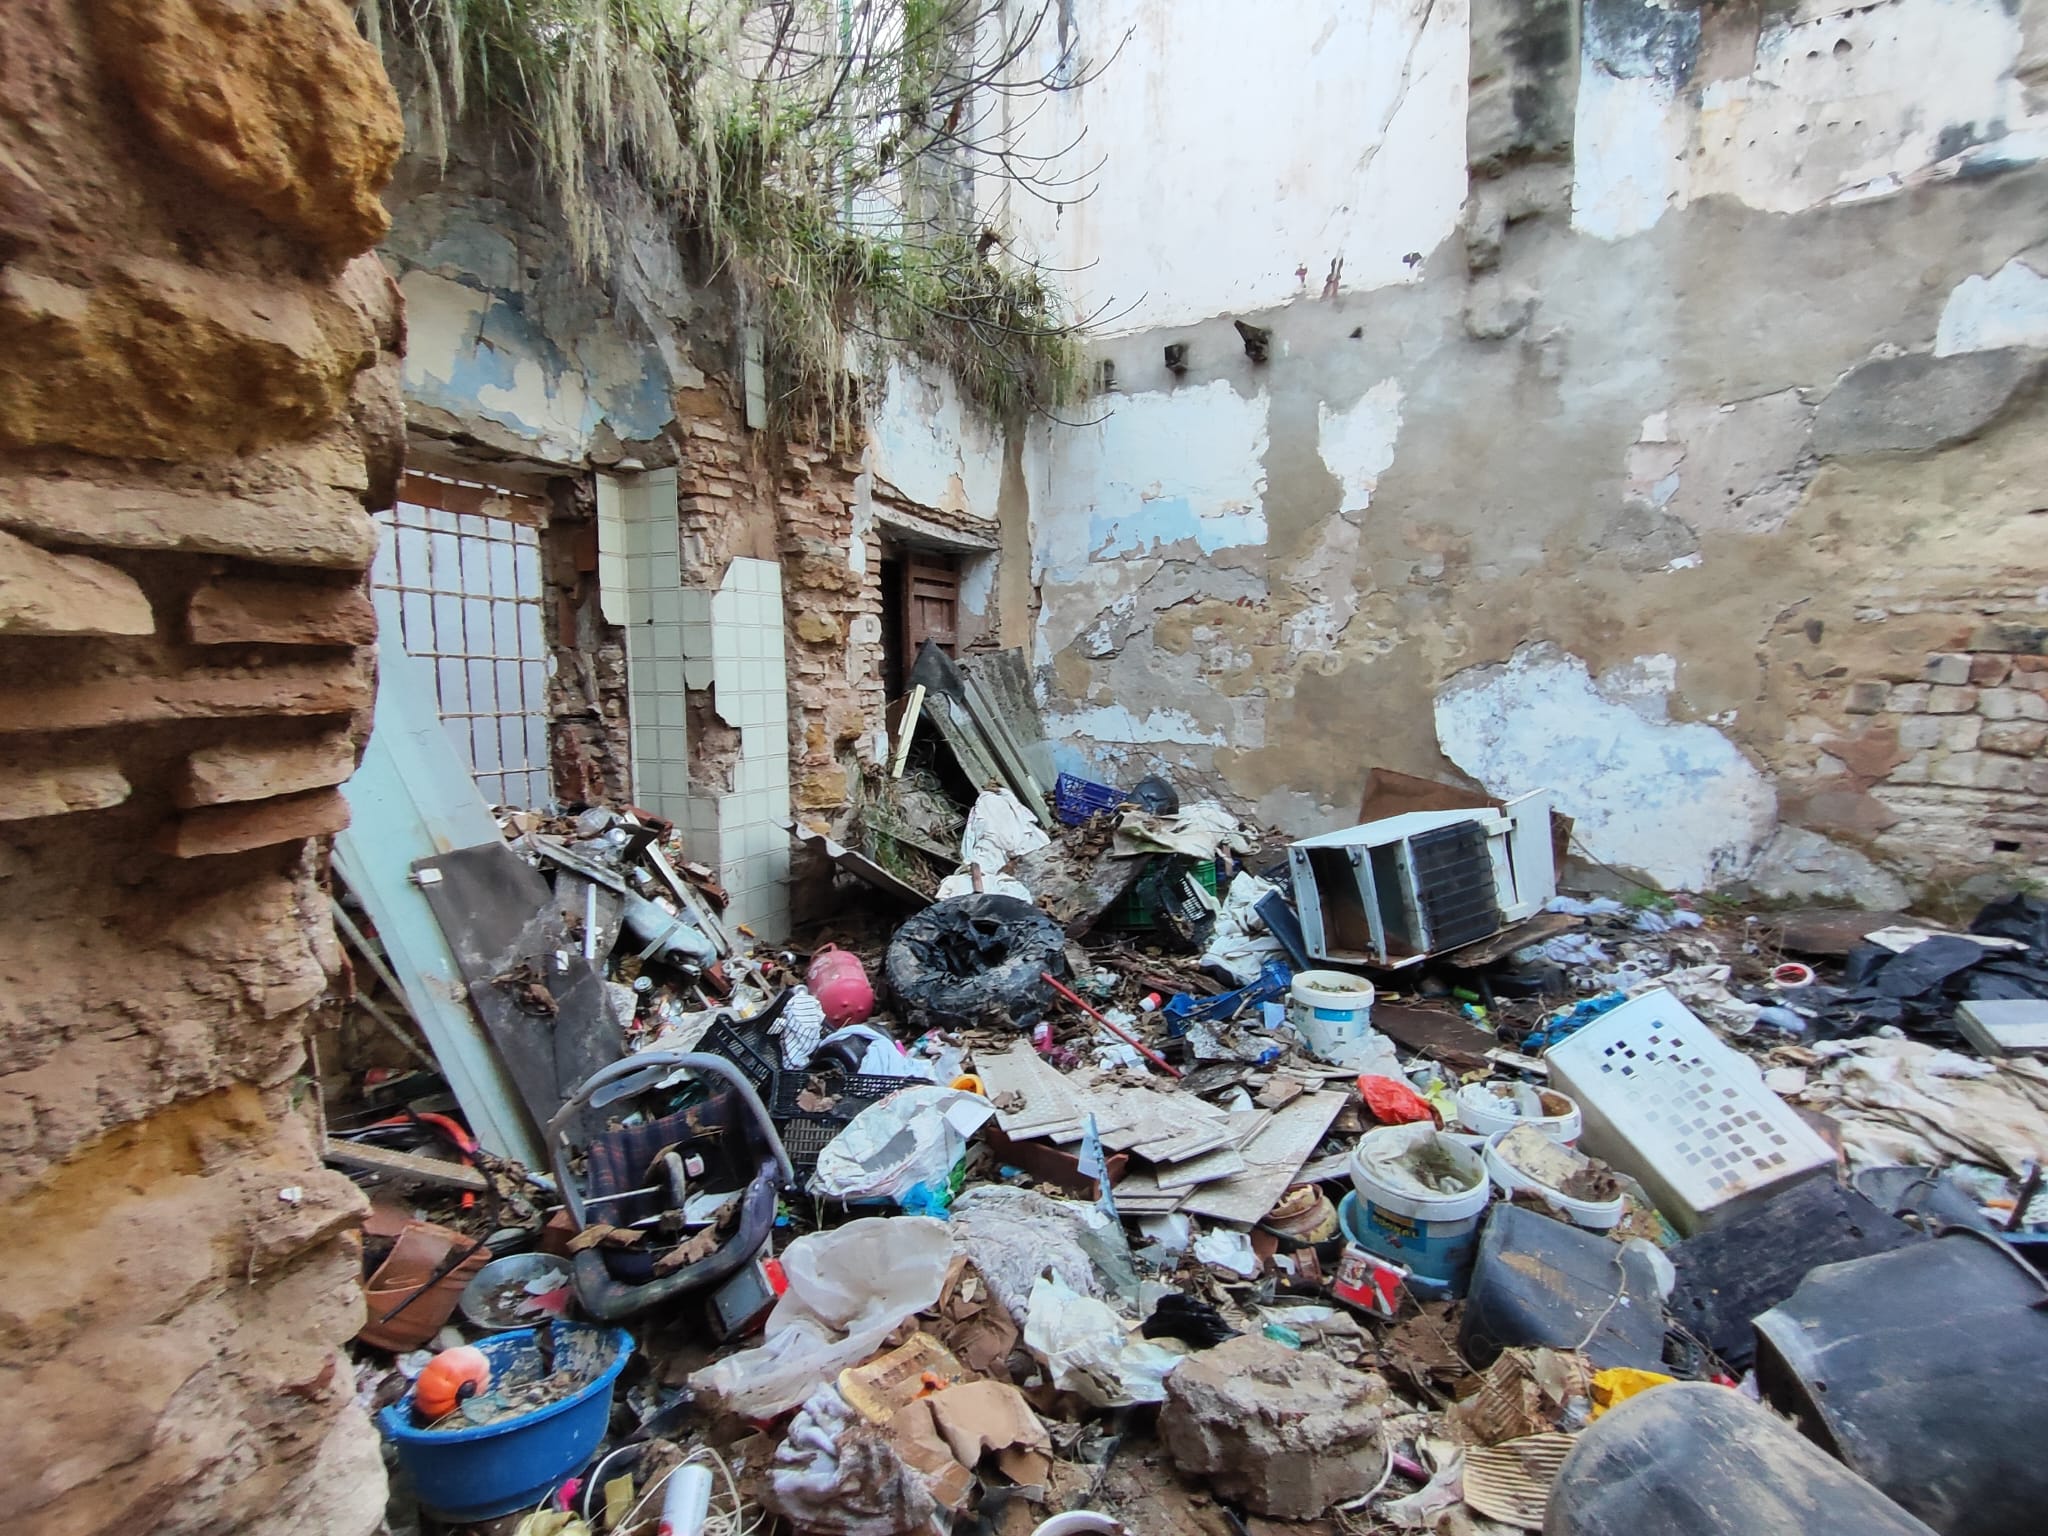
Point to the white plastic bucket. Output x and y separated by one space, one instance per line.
1486 1113
1330 1010
1593 1215
1432 1235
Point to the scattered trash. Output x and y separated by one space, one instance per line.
1461 1163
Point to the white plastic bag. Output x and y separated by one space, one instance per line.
1088 1351
848 1289
913 1137
1240 942
999 829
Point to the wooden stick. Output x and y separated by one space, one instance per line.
907 729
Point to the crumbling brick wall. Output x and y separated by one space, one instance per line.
199 401
787 497
589 734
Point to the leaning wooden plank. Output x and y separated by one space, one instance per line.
1276 1156
405 1167
907 728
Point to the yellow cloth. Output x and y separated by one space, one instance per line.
1622 1382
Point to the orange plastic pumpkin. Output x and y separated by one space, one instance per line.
449 1378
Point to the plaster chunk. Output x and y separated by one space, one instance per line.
1918 402
1677 802
2007 309
1800 865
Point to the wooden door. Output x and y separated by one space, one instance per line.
931 603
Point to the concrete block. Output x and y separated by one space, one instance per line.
2021 738
1866 698
1959 771
261 824
225 774
1959 732
50 594
1919 732
1951 701
243 610
1909 698
30 792
1952 670
2012 704
1289 1433
2014 639
2009 773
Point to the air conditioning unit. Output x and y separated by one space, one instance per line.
1394 892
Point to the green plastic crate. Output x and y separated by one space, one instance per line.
1133 910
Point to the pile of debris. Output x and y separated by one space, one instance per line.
1360 1174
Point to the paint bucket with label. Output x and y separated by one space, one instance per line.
1330 1010
1417 1200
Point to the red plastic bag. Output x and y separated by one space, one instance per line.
1392 1102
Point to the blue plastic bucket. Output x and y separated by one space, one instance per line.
487 1470
1436 1236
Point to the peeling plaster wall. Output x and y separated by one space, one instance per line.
1669 476
513 347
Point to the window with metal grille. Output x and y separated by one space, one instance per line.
458 564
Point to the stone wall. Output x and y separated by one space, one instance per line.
1641 380
199 399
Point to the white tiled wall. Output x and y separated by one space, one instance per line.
729 641
732 643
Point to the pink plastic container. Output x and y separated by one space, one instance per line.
840 983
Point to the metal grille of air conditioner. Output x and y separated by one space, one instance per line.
1454 885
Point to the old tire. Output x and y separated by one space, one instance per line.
976 962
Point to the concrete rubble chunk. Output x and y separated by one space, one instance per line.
1289 1433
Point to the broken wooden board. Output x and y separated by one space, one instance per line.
1138 1194
1161 1125
1530 930
542 1003
1004 678
1440 1036
401 1167
1050 1102
1209 1168
1275 1156
858 865
1076 886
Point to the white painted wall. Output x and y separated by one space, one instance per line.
1838 103
924 442
1244 149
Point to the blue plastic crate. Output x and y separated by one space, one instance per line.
1075 799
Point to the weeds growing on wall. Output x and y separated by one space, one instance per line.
845 160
